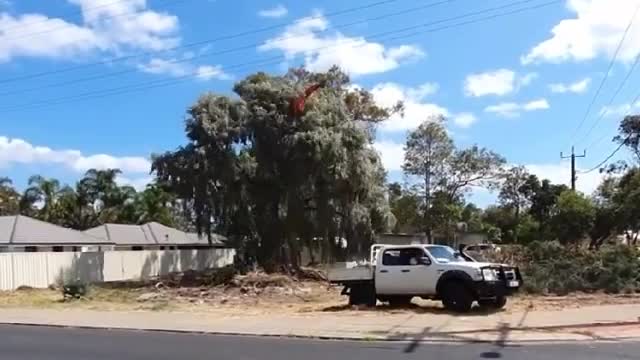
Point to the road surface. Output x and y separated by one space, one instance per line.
39 343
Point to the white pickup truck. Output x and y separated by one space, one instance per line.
397 273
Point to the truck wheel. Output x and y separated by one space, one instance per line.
457 297
362 295
497 303
398 301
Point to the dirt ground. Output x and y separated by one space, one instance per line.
258 293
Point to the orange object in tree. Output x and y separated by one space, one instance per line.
296 106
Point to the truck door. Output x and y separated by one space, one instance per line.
401 272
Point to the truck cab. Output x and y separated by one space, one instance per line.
397 273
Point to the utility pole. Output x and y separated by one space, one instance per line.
573 165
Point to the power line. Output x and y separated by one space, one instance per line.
603 161
64 26
232 50
631 105
617 149
177 80
615 94
606 76
193 44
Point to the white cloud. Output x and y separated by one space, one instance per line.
422 91
540 104
560 173
511 109
105 26
18 151
415 111
496 82
166 67
276 12
391 154
355 55
139 183
527 79
180 68
464 120
595 30
619 110
208 72
577 87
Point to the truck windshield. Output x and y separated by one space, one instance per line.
444 254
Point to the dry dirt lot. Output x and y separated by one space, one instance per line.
258 293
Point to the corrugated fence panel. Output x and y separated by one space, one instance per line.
30 269
114 266
60 267
132 262
43 269
6 271
150 265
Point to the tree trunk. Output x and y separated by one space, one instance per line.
428 227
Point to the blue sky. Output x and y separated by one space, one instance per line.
519 84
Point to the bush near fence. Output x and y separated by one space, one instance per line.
551 268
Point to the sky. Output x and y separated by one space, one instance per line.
105 83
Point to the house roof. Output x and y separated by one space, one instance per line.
23 230
152 233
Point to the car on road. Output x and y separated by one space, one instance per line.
397 273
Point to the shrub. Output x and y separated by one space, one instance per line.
550 268
73 291
223 276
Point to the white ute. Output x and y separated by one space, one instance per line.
397 273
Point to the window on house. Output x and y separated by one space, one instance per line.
30 249
136 248
58 248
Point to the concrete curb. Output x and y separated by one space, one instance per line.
440 338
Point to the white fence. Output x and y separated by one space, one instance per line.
41 269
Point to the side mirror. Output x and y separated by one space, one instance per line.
425 261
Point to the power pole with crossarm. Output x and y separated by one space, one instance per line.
573 165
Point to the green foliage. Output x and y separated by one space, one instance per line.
405 207
573 217
222 276
96 199
74 291
515 189
551 268
9 198
472 216
446 173
272 181
629 134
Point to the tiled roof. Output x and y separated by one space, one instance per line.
23 230
152 233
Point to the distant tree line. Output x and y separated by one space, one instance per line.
529 209
94 200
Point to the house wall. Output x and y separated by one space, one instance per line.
41 269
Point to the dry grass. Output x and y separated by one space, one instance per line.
258 293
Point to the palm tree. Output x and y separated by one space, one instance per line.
9 198
42 194
155 204
101 185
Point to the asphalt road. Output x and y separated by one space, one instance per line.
38 343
